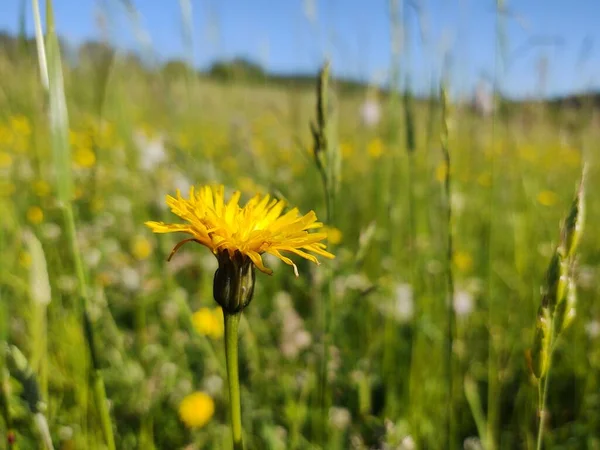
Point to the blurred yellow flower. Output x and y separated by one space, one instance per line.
6 189
229 230
346 149
463 261
485 179
547 198
196 409
35 215
334 235
141 248
84 157
20 125
441 172
375 148
5 160
97 204
25 259
41 188
209 322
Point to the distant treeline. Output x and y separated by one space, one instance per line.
238 70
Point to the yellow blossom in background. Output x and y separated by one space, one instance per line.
79 193
463 261
97 204
35 215
25 259
547 198
334 235
346 149
20 125
5 160
7 189
259 227
375 148
84 157
196 409
41 188
209 322
141 248
441 172
485 179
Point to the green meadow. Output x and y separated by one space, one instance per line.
420 334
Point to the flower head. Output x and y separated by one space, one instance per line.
196 409
232 232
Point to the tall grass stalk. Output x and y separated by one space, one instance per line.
328 161
59 127
493 381
558 305
451 325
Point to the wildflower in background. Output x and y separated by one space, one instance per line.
463 261
5 160
20 125
41 188
485 179
151 149
84 157
463 303
404 307
141 248
334 235
196 409
346 149
370 112
547 198
25 259
35 215
441 172
209 322
592 329
375 148
7 189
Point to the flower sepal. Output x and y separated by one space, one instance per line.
233 285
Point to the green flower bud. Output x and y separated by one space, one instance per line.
541 343
233 285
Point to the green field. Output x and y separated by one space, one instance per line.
361 352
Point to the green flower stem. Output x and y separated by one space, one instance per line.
231 353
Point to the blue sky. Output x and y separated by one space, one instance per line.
296 35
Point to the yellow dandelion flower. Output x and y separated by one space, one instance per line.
334 235
375 148
547 198
84 157
232 232
196 409
209 322
35 215
141 248
5 160
41 188
463 261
